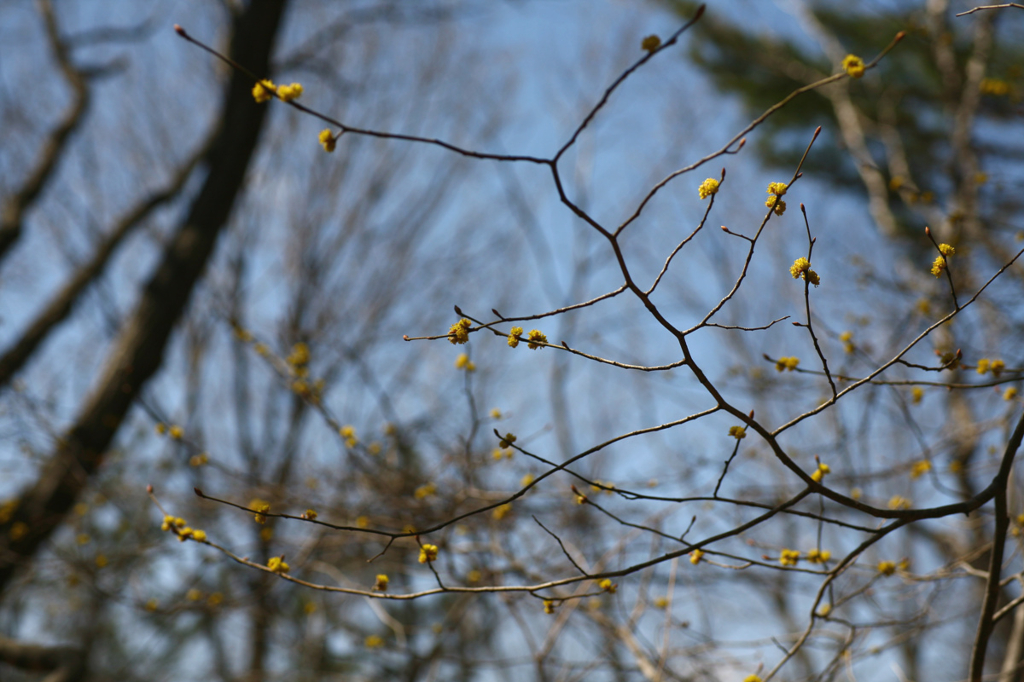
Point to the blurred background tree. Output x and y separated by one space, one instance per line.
125 184
194 296
931 140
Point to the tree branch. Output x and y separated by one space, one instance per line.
987 622
14 210
138 352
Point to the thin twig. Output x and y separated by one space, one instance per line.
564 550
984 7
807 306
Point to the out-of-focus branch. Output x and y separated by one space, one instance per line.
138 352
110 35
1011 658
1005 5
945 55
14 209
964 123
61 304
851 127
64 663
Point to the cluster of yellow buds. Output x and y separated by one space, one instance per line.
428 553
707 188
458 333
179 527
424 491
289 92
348 432
820 472
174 431
650 43
299 358
995 366
784 364
899 502
847 340
940 263
853 66
994 87
260 508
514 335
920 468
265 90
298 362
537 339
789 557
776 190
172 522
801 269
327 140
